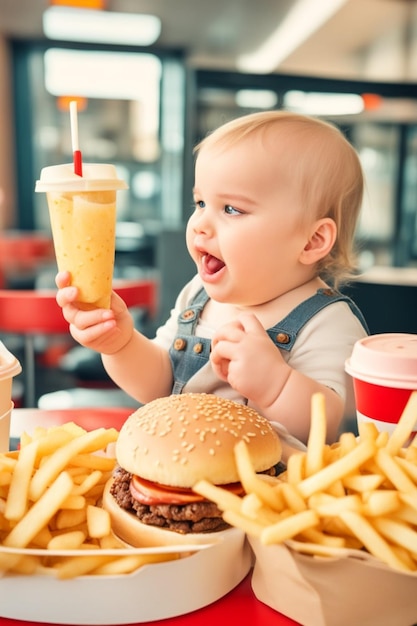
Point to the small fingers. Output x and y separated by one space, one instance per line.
229 332
88 334
63 279
66 295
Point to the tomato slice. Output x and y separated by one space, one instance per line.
148 492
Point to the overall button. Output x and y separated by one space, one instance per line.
188 315
180 344
283 338
198 348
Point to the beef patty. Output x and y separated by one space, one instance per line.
196 517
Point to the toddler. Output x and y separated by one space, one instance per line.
276 201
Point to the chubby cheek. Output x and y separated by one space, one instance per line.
246 252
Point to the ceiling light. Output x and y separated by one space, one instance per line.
314 103
256 98
69 24
300 23
102 74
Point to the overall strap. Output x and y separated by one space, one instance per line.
188 318
285 332
189 353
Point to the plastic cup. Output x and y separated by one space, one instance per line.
384 372
5 429
9 367
82 213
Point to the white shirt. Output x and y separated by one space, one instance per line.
320 351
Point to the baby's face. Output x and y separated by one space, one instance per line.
245 234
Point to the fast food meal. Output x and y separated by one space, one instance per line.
359 493
51 519
168 445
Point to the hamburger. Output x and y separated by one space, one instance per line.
166 447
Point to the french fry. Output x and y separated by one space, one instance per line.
372 540
368 430
90 481
377 503
405 426
70 518
98 522
250 480
81 565
398 532
127 564
296 468
17 498
292 497
237 519
312 535
224 499
409 468
40 513
253 508
67 541
326 505
393 472
363 482
406 514
289 527
56 462
74 502
343 466
93 461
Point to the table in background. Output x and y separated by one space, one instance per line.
34 313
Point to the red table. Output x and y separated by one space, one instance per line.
239 606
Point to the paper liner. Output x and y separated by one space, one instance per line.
351 589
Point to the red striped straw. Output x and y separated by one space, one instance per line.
76 152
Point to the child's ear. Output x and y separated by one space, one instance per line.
321 240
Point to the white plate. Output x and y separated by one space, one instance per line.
154 592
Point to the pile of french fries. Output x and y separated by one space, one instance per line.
51 521
359 493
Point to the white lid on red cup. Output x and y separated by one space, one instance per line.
388 359
9 365
96 177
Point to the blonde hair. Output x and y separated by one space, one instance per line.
324 166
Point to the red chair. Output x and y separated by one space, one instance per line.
23 255
35 313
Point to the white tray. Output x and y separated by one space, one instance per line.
154 592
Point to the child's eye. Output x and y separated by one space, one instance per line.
200 204
230 210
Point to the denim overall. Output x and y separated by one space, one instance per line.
189 353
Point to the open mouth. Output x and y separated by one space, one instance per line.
210 264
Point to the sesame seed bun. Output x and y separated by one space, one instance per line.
180 439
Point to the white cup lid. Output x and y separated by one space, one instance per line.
96 177
9 365
388 358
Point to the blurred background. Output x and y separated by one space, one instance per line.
148 90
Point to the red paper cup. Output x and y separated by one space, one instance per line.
384 372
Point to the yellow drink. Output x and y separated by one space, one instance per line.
83 228
82 213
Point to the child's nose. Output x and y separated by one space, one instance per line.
202 222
